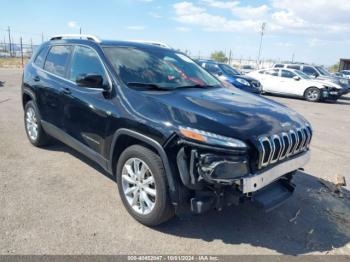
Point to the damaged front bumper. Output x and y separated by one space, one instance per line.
258 181
218 178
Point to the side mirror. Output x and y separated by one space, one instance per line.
219 73
90 80
296 78
316 74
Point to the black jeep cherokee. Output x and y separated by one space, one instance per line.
174 138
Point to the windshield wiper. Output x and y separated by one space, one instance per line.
147 85
196 86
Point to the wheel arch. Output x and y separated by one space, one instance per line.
27 96
124 138
313 86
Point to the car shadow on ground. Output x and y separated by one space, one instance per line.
60 147
2 83
314 219
345 98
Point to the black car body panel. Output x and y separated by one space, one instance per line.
101 122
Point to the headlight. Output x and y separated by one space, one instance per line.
243 82
210 138
335 87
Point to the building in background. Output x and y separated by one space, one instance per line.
344 64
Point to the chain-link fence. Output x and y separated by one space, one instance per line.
16 53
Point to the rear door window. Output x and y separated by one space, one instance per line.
309 70
287 74
57 59
212 68
272 72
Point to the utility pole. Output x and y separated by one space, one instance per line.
31 45
9 33
263 25
229 57
5 48
21 50
293 58
42 37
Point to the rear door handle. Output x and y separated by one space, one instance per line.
36 78
67 91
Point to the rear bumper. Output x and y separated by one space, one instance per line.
260 180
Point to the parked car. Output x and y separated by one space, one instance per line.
320 73
175 140
245 69
227 73
291 82
338 74
345 73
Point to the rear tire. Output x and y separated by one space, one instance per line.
147 202
32 124
312 94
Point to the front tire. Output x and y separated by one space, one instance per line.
32 123
143 186
312 94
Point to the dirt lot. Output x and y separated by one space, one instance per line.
55 201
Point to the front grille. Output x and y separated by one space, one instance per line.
277 147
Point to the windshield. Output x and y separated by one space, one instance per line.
162 68
323 71
229 70
302 74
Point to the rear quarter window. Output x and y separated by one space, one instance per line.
40 58
57 59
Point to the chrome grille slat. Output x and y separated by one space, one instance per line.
303 130
262 162
273 139
285 146
294 143
273 148
280 146
301 139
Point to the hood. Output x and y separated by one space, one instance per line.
246 77
343 82
327 82
228 112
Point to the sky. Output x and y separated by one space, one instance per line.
313 31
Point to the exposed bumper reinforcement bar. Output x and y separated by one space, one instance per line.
260 180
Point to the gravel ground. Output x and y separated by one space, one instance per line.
55 201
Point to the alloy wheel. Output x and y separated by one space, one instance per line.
32 124
312 94
139 186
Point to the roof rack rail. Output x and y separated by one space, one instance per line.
76 36
155 43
